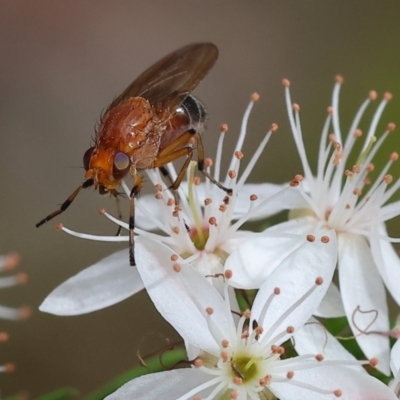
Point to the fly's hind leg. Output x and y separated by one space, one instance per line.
201 166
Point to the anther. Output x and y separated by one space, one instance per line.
192 141
175 229
391 127
299 177
339 79
224 128
259 330
209 310
212 221
224 356
372 95
253 197
197 398
294 183
310 238
234 395
319 281
274 127
177 267
223 207
388 96
158 196
170 202
348 173
357 133
277 291
388 179
198 363
337 393
158 187
247 314
207 201
196 181
208 162
296 107
228 274
319 357
394 156
11 261
174 257
329 110
367 181
356 169
286 82
232 174
357 192
373 362
225 343
239 155
290 329
59 227
9 367
102 211
290 374
347 206
325 239
370 167
332 138
22 278
175 213
24 312
255 97
237 380
4 337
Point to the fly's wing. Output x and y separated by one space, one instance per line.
168 82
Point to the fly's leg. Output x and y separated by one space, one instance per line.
66 203
134 192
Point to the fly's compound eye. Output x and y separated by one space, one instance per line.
121 165
86 158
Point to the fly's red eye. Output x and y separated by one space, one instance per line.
86 158
121 165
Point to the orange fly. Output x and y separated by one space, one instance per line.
153 122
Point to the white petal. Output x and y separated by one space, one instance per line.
255 259
101 285
395 357
362 289
167 385
182 298
152 205
313 338
331 305
388 263
354 385
289 200
296 276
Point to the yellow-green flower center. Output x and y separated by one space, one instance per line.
245 367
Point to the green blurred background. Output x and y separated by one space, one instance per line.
62 62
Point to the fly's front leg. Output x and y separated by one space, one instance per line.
134 192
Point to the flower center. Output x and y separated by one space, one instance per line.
199 238
246 367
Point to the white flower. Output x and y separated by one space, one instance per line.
245 362
395 367
203 229
340 199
